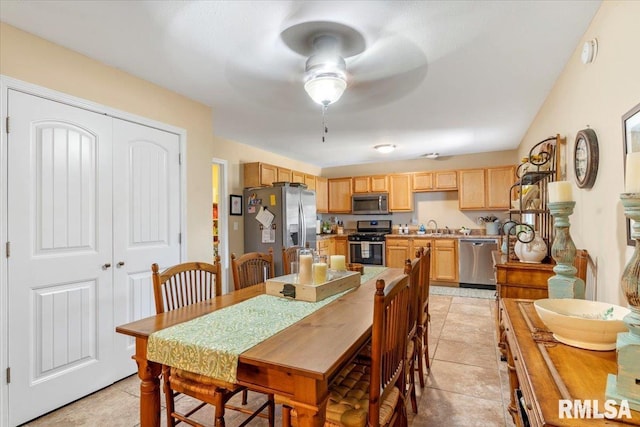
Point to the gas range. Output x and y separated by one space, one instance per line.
366 237
371 231
367 244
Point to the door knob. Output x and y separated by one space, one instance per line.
105 266
120 264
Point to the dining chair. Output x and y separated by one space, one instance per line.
289 255
412 269
371 394
422 353
252 268
176 287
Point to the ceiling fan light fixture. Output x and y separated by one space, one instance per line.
325 89
385 148
432 156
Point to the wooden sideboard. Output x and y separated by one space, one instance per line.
542 372
516 279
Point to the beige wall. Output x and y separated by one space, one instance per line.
496 158
597 95
34 60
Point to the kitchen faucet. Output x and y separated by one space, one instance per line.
435 230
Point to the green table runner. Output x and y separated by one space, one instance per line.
211 344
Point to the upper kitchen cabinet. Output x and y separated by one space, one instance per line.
445 180
310 181
322 195
371 184
422 181
435 181
284 175
340 195
298 177
485 189
260 174
400 192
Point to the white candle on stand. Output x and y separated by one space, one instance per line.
632 176
560 191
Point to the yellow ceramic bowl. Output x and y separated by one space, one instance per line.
580 323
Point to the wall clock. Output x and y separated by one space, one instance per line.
585 158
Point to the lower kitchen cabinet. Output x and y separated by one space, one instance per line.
445 260
341 246
398 251
325 246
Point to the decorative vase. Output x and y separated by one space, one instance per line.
532 252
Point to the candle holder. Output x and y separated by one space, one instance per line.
626 385
564 284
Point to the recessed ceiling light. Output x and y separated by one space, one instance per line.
385 148
432 156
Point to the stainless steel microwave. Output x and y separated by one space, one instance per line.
370 204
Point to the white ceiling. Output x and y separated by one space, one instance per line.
453 77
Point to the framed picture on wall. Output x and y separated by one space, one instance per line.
631 141
235 201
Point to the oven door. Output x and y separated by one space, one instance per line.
368 253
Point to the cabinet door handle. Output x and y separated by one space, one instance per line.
106 266
120 264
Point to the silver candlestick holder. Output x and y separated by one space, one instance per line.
626 385
564 284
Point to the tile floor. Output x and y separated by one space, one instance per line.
468 385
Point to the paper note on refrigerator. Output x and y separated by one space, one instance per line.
268 235
265 217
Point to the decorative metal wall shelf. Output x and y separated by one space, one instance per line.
532 214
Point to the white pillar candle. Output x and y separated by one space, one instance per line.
560 191
338 263
304 275
632 176
319 272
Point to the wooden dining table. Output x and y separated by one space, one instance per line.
297 363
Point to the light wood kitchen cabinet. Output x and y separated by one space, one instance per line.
340 195
397 252
445 260
422 181
370 184
485 188
259 174
499 181
379 183
298 177
284 175
360 184
400 194
322 195
341 246
445 180
325 246
471 193
310 181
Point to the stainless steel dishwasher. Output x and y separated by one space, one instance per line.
476 264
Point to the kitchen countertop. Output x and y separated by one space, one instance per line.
441 236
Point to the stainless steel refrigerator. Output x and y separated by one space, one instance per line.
291 210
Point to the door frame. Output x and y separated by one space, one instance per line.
223 221
7 83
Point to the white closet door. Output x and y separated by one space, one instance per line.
146 222
59 224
